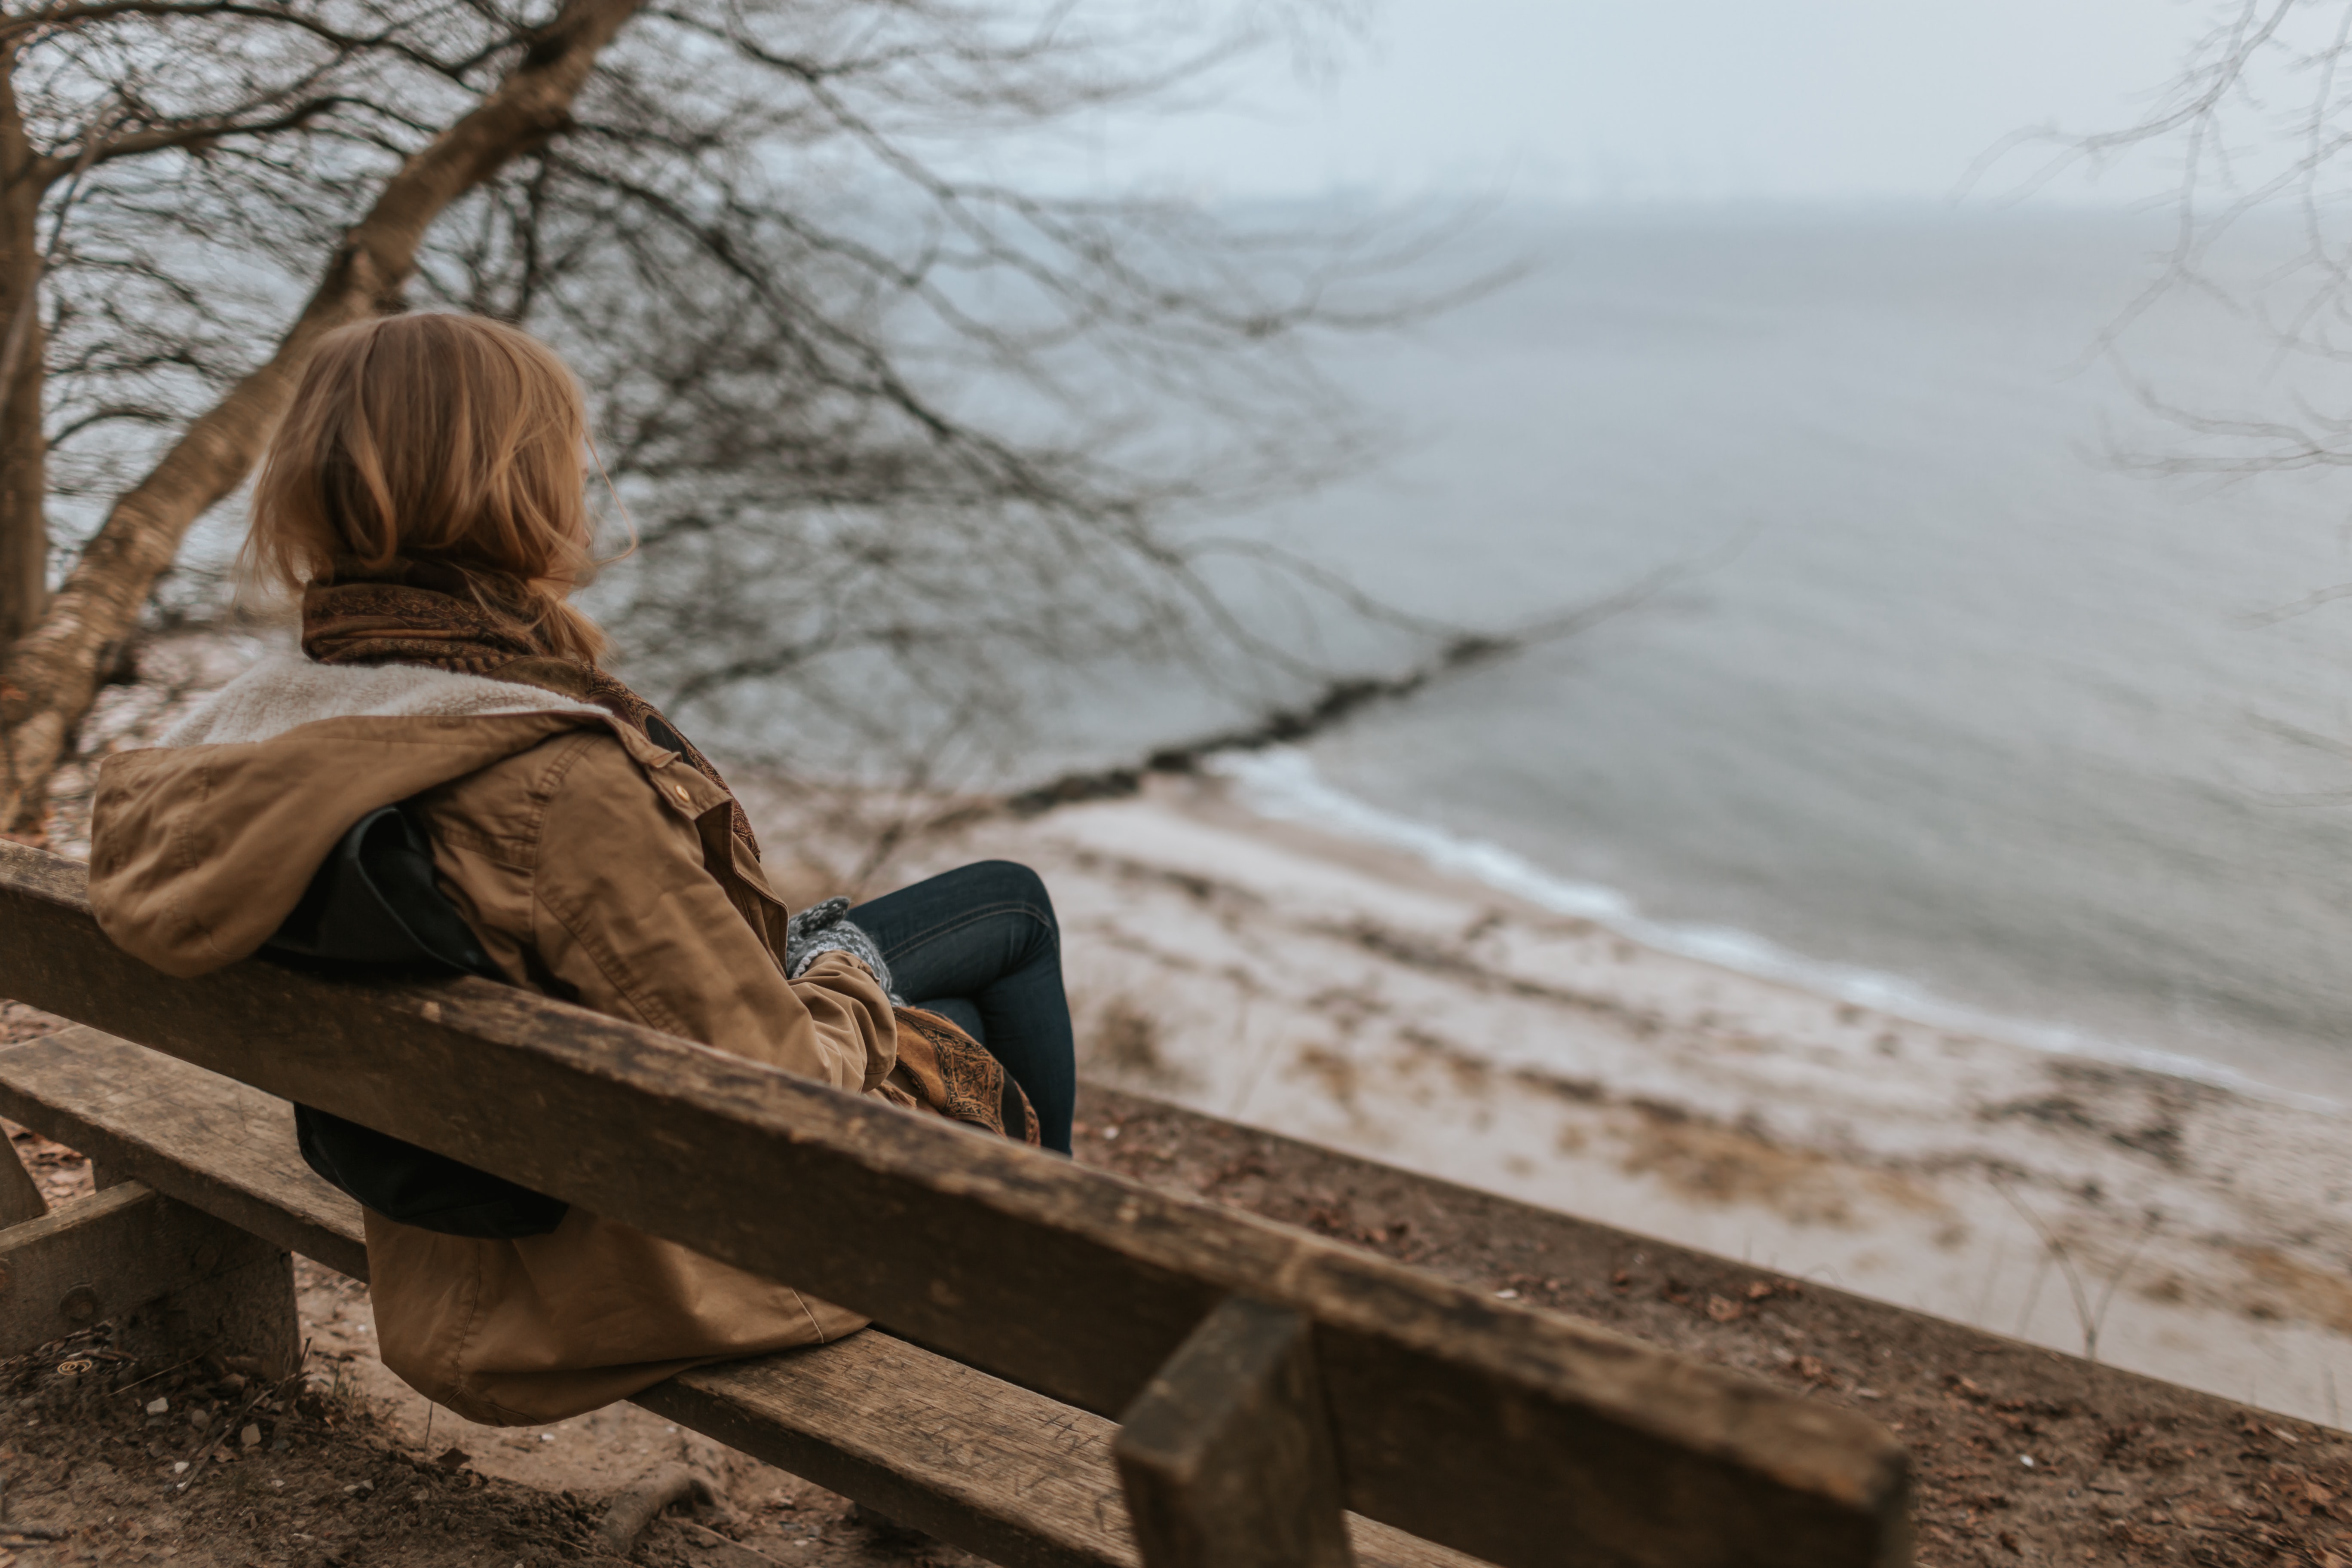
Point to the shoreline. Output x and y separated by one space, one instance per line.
1280 784
1351 995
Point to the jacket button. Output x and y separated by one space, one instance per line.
679 790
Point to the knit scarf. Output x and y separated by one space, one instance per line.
472 622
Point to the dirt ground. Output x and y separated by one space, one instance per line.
227 1473
2022 1456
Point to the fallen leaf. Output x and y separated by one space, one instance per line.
1724 1310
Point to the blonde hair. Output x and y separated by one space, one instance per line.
443 437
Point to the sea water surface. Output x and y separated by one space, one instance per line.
1966 711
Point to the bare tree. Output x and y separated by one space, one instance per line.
886 424
104 82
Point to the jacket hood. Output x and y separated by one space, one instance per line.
201 845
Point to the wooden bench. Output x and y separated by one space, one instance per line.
1078 1369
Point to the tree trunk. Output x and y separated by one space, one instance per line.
23 488
50 675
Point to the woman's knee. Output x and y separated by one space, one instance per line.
1011 882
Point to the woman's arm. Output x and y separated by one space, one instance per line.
623 912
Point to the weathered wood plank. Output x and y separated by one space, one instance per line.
206 1139
173 1279
1227 1455
1015 1477
1012 1474
1520 1437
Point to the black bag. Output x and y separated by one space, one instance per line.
374 904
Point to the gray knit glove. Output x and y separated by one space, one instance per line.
820 928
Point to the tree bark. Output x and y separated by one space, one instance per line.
50 674
24 445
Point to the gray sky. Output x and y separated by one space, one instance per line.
1671 99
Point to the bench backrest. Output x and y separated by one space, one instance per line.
1523 1438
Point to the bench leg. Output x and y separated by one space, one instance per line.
177 1283
1227 1455
20 1196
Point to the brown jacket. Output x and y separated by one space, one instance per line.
593 866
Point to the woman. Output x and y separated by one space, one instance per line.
426 497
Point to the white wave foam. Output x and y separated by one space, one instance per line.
1283 784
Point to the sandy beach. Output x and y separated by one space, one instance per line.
1350 995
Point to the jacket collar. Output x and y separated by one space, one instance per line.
201 845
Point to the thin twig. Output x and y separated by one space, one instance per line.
2083 1316
270 1391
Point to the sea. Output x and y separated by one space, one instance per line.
1984 667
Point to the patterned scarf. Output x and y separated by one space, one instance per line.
947 1072
472 622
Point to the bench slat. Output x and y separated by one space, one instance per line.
1019 1478
208 1141
1011 1475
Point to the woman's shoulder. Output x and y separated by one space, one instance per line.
589 789
512 798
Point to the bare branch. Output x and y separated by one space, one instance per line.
48 678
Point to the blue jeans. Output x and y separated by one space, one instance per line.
979 945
